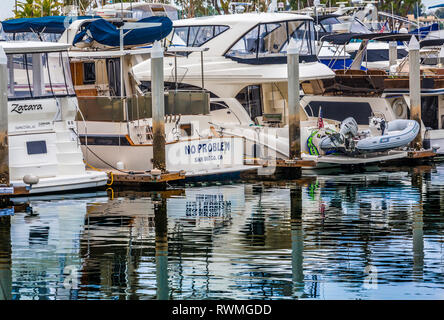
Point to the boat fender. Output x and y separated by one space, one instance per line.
312 150
31 179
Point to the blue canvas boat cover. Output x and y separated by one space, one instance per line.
53 24
106 33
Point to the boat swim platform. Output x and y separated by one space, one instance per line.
362 159
378 158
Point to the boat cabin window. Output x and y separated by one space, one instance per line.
250 98
89 73
195 36
270 40
429 111
39 75
339 111
218 105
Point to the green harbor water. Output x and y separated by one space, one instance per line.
360 236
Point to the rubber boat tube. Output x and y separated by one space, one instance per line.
398 133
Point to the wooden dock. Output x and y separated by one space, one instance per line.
13 191
280 163
421 154
119 178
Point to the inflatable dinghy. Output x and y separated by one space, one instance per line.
381 136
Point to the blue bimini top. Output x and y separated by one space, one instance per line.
53 24
107 33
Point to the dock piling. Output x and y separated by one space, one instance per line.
4 148
294 125
161 229
415 89
158 103
393 53
297 239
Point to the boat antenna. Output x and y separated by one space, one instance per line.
121 9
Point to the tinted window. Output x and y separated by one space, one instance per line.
196 36
360 111
327 24
218 105
89 73
36 147
429 111
247 46
250 98
271 40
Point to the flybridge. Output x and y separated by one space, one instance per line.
94 28
107 33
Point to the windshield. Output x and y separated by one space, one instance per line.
271 39
39 75
195 36
327 24
358 27
31 36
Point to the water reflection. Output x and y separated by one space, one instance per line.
5 258
161 225
377 235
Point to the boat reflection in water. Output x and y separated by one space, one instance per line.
344 237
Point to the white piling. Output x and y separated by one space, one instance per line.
415 88
294 125
4 148
393 53
158 106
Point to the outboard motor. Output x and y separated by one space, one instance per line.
343 140
349 127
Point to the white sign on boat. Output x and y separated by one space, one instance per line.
205 154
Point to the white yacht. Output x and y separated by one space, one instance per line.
245 52
246 74
115 125
42 107
117 128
